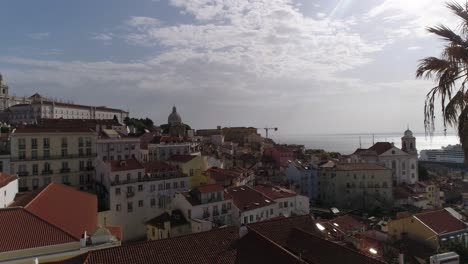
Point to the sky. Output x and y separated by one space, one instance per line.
304 66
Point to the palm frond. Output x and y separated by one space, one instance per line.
448 35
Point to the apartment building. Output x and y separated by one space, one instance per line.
42 155
115 145
137 192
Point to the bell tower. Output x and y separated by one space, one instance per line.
408 143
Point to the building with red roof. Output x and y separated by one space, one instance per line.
288 201
51 224
136 192
205 206
433 229
8 189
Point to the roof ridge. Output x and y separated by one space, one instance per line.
49 223
39 194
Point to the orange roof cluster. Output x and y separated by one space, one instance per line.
209 188
283 240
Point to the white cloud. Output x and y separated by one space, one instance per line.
39 35
414 48
103 36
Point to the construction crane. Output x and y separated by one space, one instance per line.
269 128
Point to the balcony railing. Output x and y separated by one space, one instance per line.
34 146
23 173
47 172
64 170
55 157
46 146
130 194
21 146
64 145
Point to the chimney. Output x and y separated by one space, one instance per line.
83 239
243 231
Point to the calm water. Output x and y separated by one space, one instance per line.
348 143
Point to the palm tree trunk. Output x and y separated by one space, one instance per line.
463 132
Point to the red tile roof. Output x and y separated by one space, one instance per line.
115 231
276 241
125 165
181 158
5 179
274 192
381 147
246 198
21 229
156 166
208 188
441 221
67 208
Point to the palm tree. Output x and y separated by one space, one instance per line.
450 72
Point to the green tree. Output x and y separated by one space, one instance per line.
450 72
423 173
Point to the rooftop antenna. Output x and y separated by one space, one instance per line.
373 139
360 143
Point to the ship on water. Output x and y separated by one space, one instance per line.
448 154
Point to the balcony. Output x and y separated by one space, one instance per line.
89 168
23 173
47 172
64 145
34 146
130 194
64 170
21 146
46 146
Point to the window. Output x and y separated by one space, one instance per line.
64 153
139 175
116 179
174 185
35 183
153 202
65 179
82 165
65 165
34 154
189 214
129 189
47 166
21 143
152 187
22 155
129 207
160 186
35 169
46 142
140 187
88 152
118 207
140 203
64 142
245 220
129 176
168 186
80 142
117 191
191 172
251 218
161 202
182 184
46 153
34 143
82 179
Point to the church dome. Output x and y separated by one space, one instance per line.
408 133
174 117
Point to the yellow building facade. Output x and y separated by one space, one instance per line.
40 156
194 167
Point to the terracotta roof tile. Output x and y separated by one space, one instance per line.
125 165
115 231
208 188
274 192
441 221
381 147
67 208
181 158
5 179
347 223
21 229
246 198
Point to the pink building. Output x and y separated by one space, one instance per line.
281 155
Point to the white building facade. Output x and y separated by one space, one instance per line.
8 189
137 193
